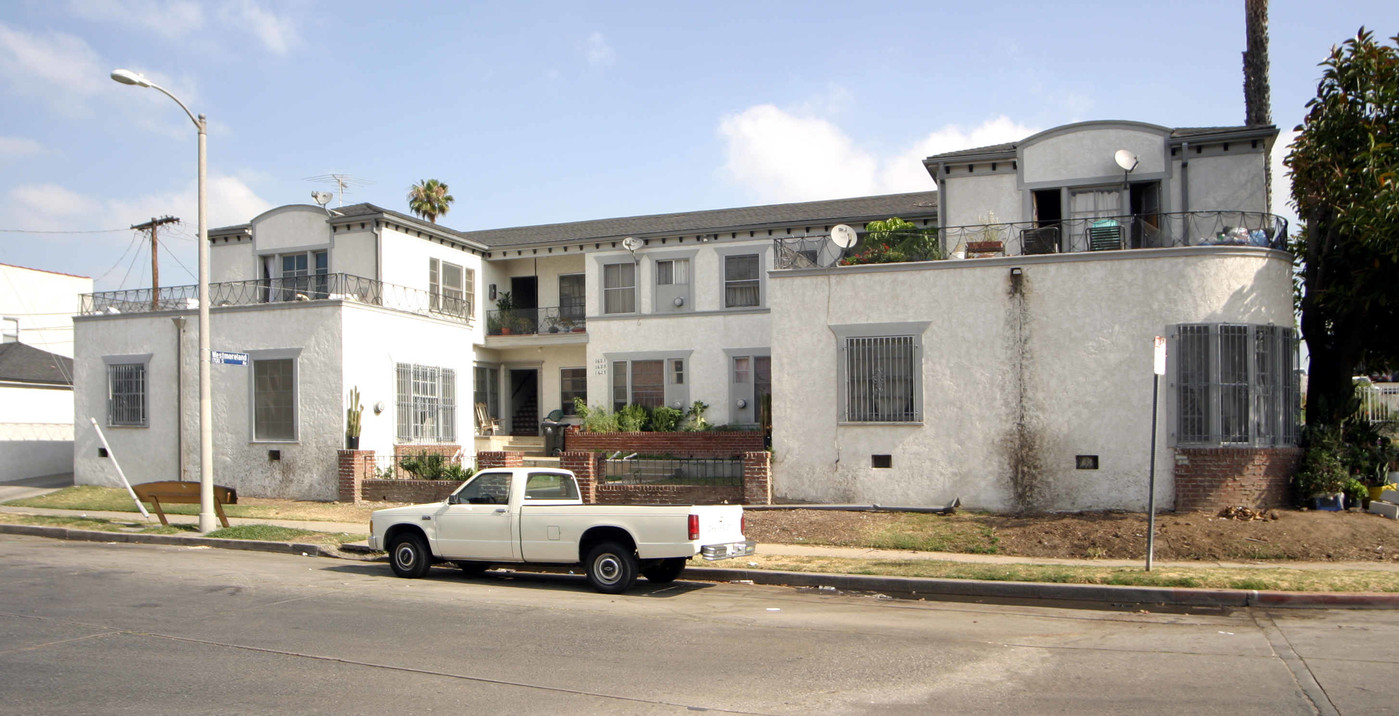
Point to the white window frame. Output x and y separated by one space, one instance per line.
255 357
620 289
130 363
621 388
724 254
453 299
856 346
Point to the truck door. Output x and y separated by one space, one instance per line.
477 523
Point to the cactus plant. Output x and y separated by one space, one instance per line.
352 418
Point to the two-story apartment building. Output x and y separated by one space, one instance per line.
427 322
1018 374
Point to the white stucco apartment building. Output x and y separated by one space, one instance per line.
1020 377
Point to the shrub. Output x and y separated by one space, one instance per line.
598 419
433 466
1323 471
694 418
632 418
665 419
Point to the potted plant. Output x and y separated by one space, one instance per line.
505 305
353 414
1322 475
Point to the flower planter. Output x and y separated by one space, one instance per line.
1329 503
351 442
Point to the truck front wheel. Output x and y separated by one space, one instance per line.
409 556
664 571
611 568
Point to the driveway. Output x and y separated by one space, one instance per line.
33 486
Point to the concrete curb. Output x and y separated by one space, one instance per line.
1041 591
66 533
965 589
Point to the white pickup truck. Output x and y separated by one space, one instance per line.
526 515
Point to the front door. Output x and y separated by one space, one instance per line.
524 402
477 523
524 290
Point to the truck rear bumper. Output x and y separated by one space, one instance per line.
713 552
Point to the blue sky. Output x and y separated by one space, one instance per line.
547 112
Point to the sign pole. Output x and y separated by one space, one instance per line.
1159 361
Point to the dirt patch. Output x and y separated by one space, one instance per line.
1281 535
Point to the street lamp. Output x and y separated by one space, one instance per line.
208 521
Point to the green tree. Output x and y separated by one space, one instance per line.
1345 186
429 199
894 240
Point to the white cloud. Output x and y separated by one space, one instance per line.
60 69
276 33
781 156
598 52
51 202
18 147
171 19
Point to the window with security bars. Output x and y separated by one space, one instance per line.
1236 385
274 399
450 288
882 378
741 281
126 395
573 383
427 404
619 288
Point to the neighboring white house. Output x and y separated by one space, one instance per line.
36 369
37 306
1022 378
409 313
36 412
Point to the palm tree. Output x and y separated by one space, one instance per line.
429 199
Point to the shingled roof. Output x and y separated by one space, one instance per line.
20 363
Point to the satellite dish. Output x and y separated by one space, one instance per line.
1125 159
631 243
843 236
322 197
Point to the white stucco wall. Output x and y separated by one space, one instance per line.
972 198
36 405
35 449
42 304
1232 181
1087 153
1074 348
232 261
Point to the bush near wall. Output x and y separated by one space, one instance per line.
712 443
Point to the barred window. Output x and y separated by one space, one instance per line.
1236 385
882 379
274 399
619 288
427 404
126 394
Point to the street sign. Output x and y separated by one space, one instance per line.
1159 354
229 357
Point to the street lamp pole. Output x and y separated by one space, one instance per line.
208 521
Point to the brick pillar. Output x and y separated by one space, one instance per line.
584 467
499 458
355 466
757 478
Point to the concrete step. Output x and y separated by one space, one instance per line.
1387 509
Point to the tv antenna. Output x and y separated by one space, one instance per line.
341 182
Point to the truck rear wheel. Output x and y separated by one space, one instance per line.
611 568
409 556
664 571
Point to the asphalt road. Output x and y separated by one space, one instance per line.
97 628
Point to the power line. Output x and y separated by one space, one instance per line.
36 231
115 266
182 265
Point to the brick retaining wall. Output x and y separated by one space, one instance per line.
668 495
415 491
711 443
1214 478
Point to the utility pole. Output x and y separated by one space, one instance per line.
152 226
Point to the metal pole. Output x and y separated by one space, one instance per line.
1151 479
208 521
117 465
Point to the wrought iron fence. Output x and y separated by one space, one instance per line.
322 287
424 465
1104 233
535 321
710 472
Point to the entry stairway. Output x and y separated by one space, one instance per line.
531 445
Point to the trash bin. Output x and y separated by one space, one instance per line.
553 436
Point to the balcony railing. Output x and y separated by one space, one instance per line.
316 287
535 321
1104 233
